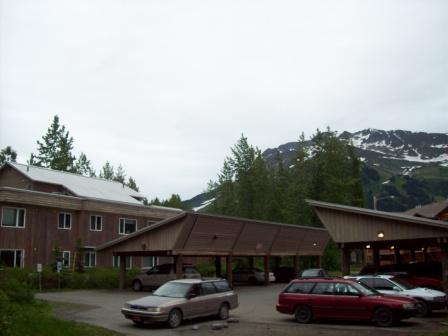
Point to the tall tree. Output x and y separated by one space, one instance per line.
107 171
132 184
55 149
83 166
120 175
7 154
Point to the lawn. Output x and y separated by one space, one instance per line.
37 319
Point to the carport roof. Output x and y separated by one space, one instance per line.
206 234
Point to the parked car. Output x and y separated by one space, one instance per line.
251 276
338 298
182 299
160 274
285 274
314 273
420 274
427 299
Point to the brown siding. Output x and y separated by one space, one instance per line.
10 177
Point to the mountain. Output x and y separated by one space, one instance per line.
403 169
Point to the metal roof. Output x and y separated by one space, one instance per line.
82 186
429 210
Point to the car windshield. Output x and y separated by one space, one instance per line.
173 290
365 290
403 283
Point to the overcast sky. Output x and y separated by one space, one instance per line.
167 87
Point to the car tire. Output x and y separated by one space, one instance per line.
223 312
384 317
174 318
137 285
422 308
303 314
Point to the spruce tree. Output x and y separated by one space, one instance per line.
120 175
55 149
83 166
107 171
7 154
132 184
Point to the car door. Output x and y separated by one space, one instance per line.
213 299
322 300
195 304
349 302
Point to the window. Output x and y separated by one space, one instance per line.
127 226
66 258
13 217
11 258
116 261
345 289
383 284
324 288
208 288
65 221
222 286
89 259
148 262
96 223
301 287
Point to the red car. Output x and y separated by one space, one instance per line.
336 298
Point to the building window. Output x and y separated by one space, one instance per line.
66 258
127 226
65 221
148 261
89 259
13 217
11 258
96 223
116 261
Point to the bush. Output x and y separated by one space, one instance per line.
16 284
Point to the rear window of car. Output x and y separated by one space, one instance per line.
222 286
300 287
325 288
208 288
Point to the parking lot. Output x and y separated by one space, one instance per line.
256 313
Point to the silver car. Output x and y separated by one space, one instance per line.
427 299
160 274
182 299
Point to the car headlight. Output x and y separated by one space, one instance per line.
153 309
408 306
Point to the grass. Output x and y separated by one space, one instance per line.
37 319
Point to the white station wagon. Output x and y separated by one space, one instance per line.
182 299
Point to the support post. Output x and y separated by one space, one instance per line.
444 249
266 270
345 261
296 265
397 256
229 270
376 258
319 261
277 262
179 266
251 262
122 271
412 252
218 270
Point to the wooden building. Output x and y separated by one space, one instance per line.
414 232
205 235
43 210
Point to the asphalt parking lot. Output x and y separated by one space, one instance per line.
256 313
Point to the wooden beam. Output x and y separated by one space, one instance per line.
218 269
296 261
266 270
229 270
178 260
345 261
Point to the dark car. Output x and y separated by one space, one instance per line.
314 273
285 274
337 298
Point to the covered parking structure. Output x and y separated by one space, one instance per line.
355 228
204 235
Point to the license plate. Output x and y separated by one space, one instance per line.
136 318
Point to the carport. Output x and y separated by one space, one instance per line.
358 228
204 235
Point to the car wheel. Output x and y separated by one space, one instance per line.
174 318
223 312
384 317
422 308
303 314
137 285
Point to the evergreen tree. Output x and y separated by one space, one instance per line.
120 175
83 166
7 154
107 171
132 184
55 150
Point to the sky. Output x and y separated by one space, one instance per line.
165 88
